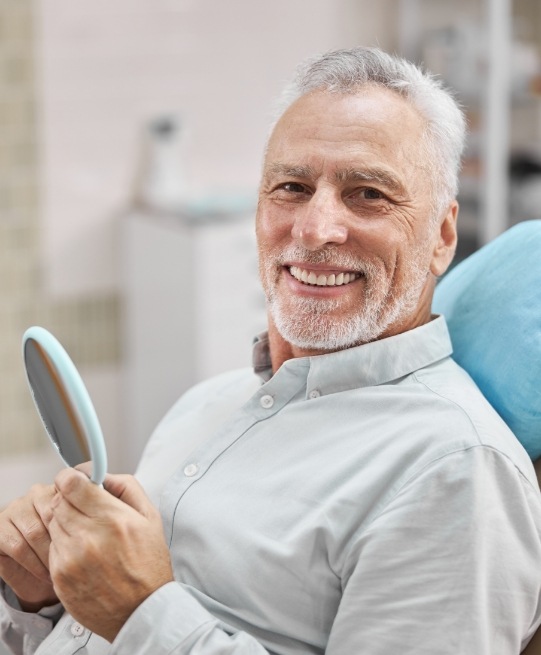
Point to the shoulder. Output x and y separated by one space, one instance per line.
470 419
230 386
225 382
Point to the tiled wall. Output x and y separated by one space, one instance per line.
88 327
19 266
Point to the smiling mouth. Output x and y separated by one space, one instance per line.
312 278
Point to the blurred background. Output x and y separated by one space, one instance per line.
131 137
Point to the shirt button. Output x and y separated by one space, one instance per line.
77 629
191 470
266 401
315 393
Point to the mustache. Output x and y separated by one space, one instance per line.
330 256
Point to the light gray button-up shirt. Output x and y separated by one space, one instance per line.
366 501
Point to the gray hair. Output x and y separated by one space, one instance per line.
346 71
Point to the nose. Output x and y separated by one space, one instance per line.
320 221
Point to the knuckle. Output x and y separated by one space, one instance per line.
47 515
40 494
70 482
11 542
37 489
34 531
17 548
44 492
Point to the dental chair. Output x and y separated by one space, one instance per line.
492 303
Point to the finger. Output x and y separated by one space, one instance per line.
31 519
127 489
86 468
42 504
24 537
70 480
74 486
93 502
67 519
15 548
34 535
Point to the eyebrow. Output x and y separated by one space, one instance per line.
290 170
345 175
380 175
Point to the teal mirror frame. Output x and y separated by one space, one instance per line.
78 396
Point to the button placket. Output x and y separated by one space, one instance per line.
176 487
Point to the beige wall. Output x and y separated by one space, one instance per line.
107 68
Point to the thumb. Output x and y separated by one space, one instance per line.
127 489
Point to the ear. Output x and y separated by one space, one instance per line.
445 247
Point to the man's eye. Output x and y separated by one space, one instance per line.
371 194
293 187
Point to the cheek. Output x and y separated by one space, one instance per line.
274 221
389 269
412 268
267 247
272 233
263 229
380 245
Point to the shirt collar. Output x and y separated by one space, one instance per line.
371 364
261 359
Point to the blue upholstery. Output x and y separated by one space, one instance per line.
492 303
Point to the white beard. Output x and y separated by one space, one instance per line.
309 323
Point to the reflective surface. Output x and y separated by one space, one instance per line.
63 402
54 406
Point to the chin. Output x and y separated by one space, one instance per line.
319 330
326 325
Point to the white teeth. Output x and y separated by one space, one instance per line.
332 280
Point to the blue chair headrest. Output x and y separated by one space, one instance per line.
492 303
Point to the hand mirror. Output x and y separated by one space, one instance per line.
63 402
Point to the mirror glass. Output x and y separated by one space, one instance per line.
63 402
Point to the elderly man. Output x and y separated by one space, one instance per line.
356 494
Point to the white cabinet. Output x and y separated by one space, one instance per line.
191 306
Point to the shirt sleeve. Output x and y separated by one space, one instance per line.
23 632
172 622
450 566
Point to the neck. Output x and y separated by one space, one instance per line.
281 350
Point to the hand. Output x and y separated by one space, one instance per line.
24 548
108 551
